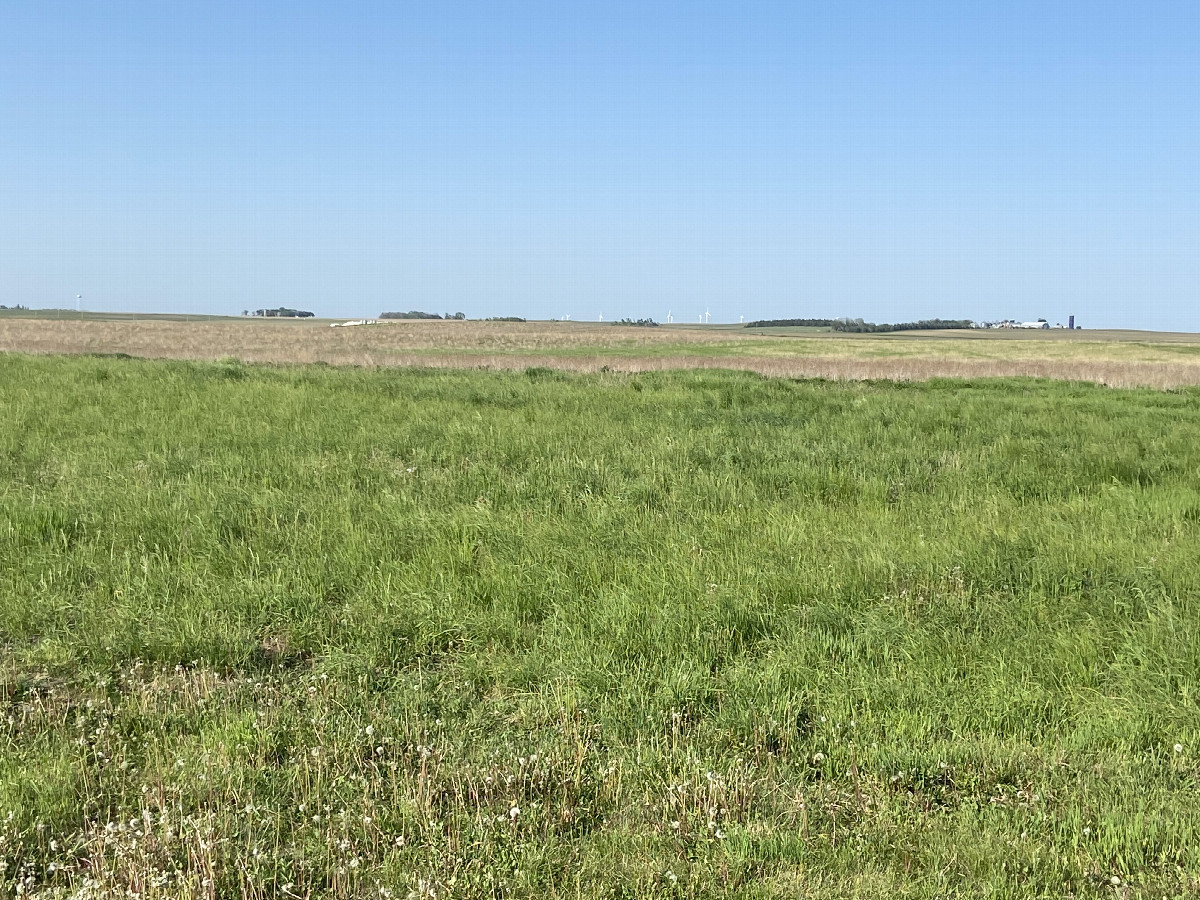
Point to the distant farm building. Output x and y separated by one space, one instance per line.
1013 323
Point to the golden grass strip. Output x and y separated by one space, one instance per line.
589 348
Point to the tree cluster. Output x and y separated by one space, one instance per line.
792 323
284 312
417 314
858 326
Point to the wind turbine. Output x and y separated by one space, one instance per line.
668 317
706 315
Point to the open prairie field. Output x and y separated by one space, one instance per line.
309 632
1119 359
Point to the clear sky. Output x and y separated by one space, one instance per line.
889 161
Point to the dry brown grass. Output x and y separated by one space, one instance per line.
1159 375
303 341
1112 359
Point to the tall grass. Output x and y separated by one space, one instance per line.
319 632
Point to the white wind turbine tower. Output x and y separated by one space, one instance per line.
668 317
706 315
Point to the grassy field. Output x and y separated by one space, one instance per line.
1119 359
319 632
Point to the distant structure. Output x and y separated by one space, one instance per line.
1013 323
283 313
1071 322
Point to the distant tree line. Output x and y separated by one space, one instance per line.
640 323
417 314
283 312
504 319
792 323
18 306
858 326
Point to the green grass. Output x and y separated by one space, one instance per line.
320 632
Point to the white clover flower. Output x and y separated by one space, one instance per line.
514 813
1179 748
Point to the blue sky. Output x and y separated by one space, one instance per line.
885 160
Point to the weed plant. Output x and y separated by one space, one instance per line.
317 632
